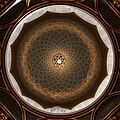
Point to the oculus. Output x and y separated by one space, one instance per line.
58 60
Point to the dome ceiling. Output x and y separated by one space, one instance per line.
59 59
84 52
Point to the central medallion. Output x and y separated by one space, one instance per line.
58 60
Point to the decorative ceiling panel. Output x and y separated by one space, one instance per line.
59 60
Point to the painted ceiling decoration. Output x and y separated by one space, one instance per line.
57 34
59 60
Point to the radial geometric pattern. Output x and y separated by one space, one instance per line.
59 59
84 53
